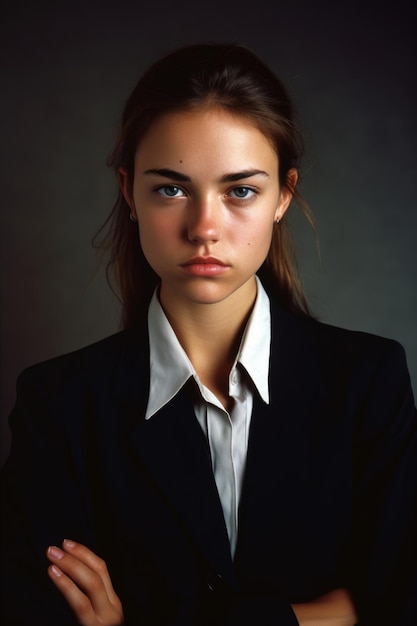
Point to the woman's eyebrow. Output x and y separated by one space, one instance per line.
227 178
172 174
230 178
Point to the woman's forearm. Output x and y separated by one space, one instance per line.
332 609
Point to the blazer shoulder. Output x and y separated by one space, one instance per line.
94 360
334 344
355 342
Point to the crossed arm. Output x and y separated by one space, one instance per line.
84 581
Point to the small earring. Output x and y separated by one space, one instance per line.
133 217
277 221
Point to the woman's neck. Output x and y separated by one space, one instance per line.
210 335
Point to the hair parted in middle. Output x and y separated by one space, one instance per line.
200 76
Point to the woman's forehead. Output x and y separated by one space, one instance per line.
212 138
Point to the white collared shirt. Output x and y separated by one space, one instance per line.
227 433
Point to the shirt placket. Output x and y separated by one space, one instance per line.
220 433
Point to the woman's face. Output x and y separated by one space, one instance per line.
206 196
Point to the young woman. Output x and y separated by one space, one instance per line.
225 459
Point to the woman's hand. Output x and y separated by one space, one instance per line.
333 609
83 579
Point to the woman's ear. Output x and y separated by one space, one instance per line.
123 179
286 194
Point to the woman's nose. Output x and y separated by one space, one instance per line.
204 221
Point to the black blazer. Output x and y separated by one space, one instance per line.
329 495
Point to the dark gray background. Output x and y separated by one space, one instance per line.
66 71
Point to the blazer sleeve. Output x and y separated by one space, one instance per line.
38 491
383 565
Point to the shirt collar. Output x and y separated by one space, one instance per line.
170 367
255 346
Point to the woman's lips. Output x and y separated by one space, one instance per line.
204 266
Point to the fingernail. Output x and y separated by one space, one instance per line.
55 552
56 571
68 543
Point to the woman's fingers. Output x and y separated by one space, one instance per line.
83 579
76 599
93 562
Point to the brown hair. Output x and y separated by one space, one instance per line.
231 77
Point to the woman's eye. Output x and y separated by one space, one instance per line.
242 192
170 191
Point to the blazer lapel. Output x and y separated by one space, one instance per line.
279 441
174 450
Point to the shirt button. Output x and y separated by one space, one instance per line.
214 582
235 377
